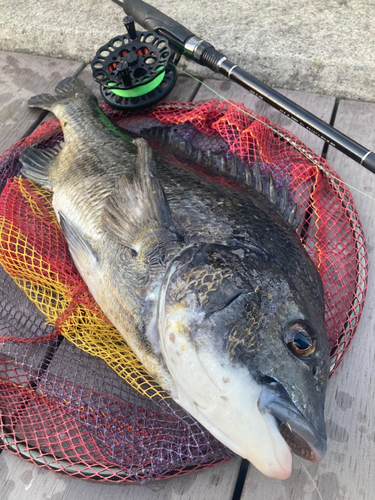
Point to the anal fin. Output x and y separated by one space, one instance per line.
36 164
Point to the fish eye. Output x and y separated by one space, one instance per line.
300 339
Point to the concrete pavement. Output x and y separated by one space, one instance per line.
322 46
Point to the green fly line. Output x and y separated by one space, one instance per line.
273 130
141 90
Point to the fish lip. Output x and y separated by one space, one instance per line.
302 438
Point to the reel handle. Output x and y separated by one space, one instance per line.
154 20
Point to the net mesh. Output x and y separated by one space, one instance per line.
73 396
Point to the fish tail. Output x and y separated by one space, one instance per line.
69 88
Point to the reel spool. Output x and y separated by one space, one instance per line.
133 70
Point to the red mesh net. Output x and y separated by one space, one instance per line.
85 406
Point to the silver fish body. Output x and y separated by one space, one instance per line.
208 284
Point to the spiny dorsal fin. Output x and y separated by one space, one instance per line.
291 215
138 205
257 178
278 196
68 88
234 168
36 164
283 198
271 191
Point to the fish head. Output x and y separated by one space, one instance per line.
246 344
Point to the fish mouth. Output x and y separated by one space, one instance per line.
302 438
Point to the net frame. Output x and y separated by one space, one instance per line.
208 118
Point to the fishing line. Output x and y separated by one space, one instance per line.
312 480
306 155
138 91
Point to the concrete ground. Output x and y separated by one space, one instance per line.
320 46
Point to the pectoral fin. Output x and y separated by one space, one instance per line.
82 252
138 204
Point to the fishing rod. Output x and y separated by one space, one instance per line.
183 41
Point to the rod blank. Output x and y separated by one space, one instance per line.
185 42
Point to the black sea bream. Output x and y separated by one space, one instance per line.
208 284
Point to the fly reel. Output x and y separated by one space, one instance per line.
134 69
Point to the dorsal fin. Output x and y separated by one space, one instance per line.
269 188
232 168
138 205
257 182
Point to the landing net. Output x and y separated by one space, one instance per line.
73 396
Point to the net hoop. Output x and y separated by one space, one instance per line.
215 120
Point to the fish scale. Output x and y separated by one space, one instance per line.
208 283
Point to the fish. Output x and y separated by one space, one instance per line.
207 282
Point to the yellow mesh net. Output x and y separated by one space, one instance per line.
49 279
